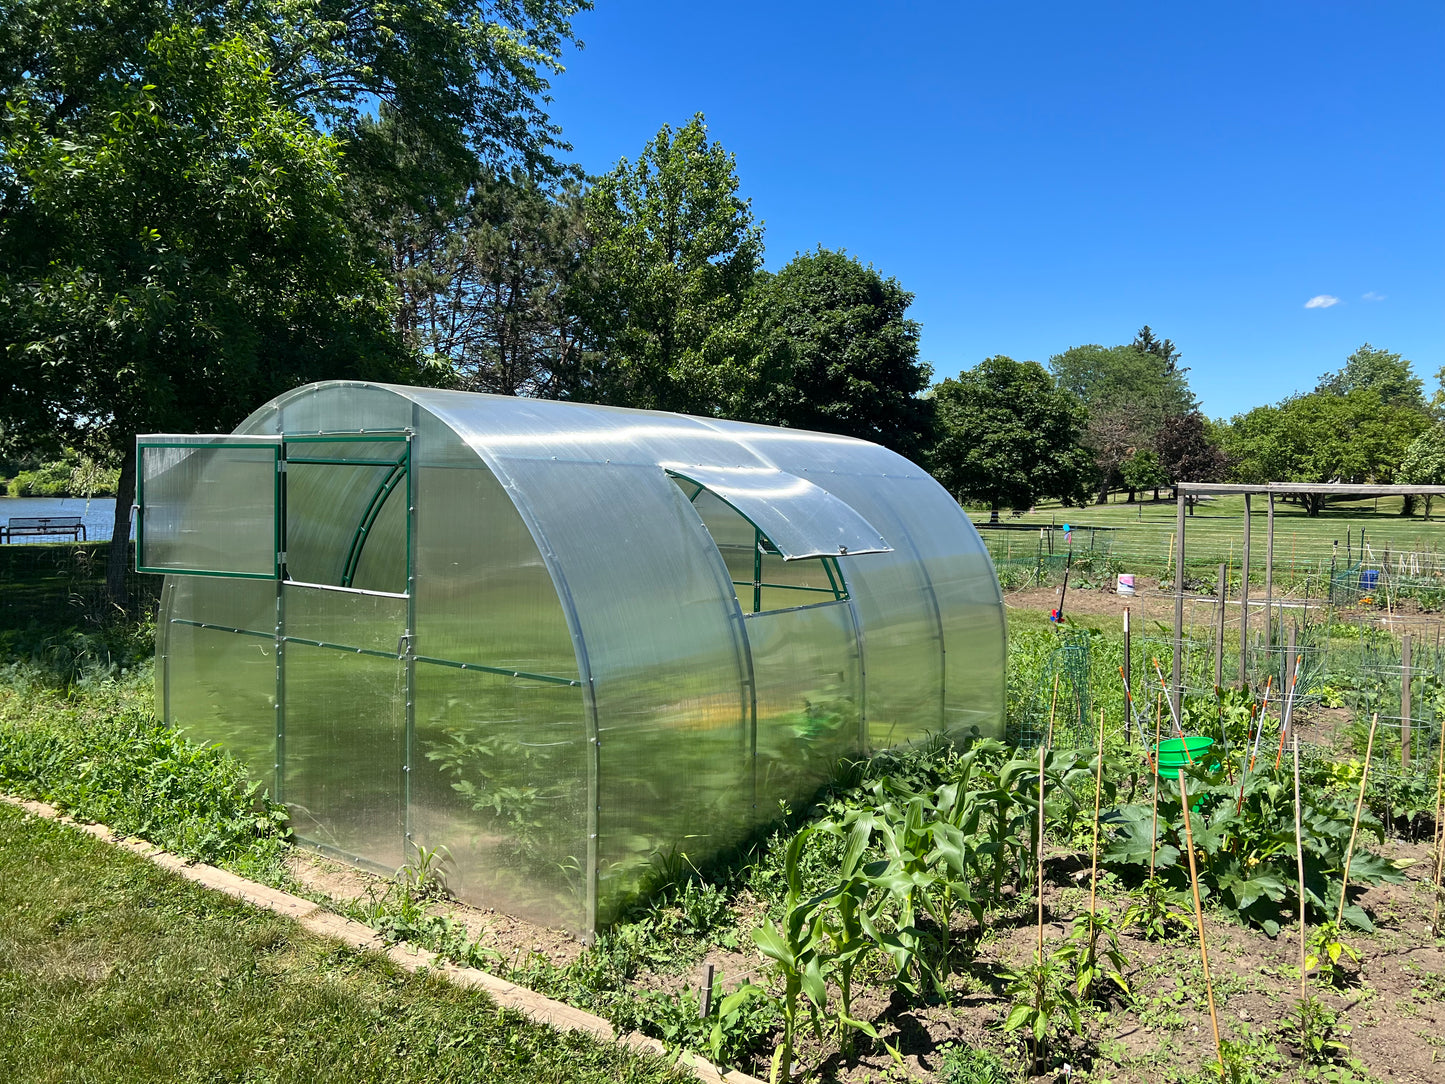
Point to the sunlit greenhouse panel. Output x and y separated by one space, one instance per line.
564 643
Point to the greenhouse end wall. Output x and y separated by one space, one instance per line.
529 632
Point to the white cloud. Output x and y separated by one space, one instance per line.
1370 295
1321 301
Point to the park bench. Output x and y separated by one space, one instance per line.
21 526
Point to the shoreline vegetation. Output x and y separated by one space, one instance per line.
72 475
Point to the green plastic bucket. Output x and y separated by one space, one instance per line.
1173 756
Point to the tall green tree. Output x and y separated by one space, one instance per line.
672 252
1322 437
1142 470
484 280
1423 463
1146 342
839 354
1008 436
1129 390
1387 374
179 235
178 262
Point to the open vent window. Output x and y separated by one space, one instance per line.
779 535
318 510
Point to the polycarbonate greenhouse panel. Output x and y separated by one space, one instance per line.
485 595
499 777
809 698
215 643
343 619
344 753
208 505
970 608
337 406
667 679
798 517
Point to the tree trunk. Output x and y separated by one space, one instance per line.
1103 497
1407 504
993 513
1131 497
119 558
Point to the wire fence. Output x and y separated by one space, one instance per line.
1327 627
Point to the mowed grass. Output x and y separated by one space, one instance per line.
1143 531
112 970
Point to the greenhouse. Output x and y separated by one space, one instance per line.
566 642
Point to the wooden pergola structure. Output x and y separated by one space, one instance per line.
1270 490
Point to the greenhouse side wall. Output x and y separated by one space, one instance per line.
500 760
664 653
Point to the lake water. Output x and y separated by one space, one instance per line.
97 514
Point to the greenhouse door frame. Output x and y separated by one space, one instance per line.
209 546
402 468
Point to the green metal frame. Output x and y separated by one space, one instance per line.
368 519
837 587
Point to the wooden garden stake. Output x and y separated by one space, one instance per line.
1219 630
704 1003
1098 794
1041 854
1199 918
1440 833
1299 853
1359 803
1154 831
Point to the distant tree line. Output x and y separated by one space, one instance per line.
1103 419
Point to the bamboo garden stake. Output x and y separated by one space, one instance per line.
1199 918
1440 836
1350 850
1041 854
1299 854
1098 793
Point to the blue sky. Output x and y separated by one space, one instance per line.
1046 175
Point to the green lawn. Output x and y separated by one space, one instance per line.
112 970
1214 534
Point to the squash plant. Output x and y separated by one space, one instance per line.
1245 837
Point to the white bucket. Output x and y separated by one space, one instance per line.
1126 584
